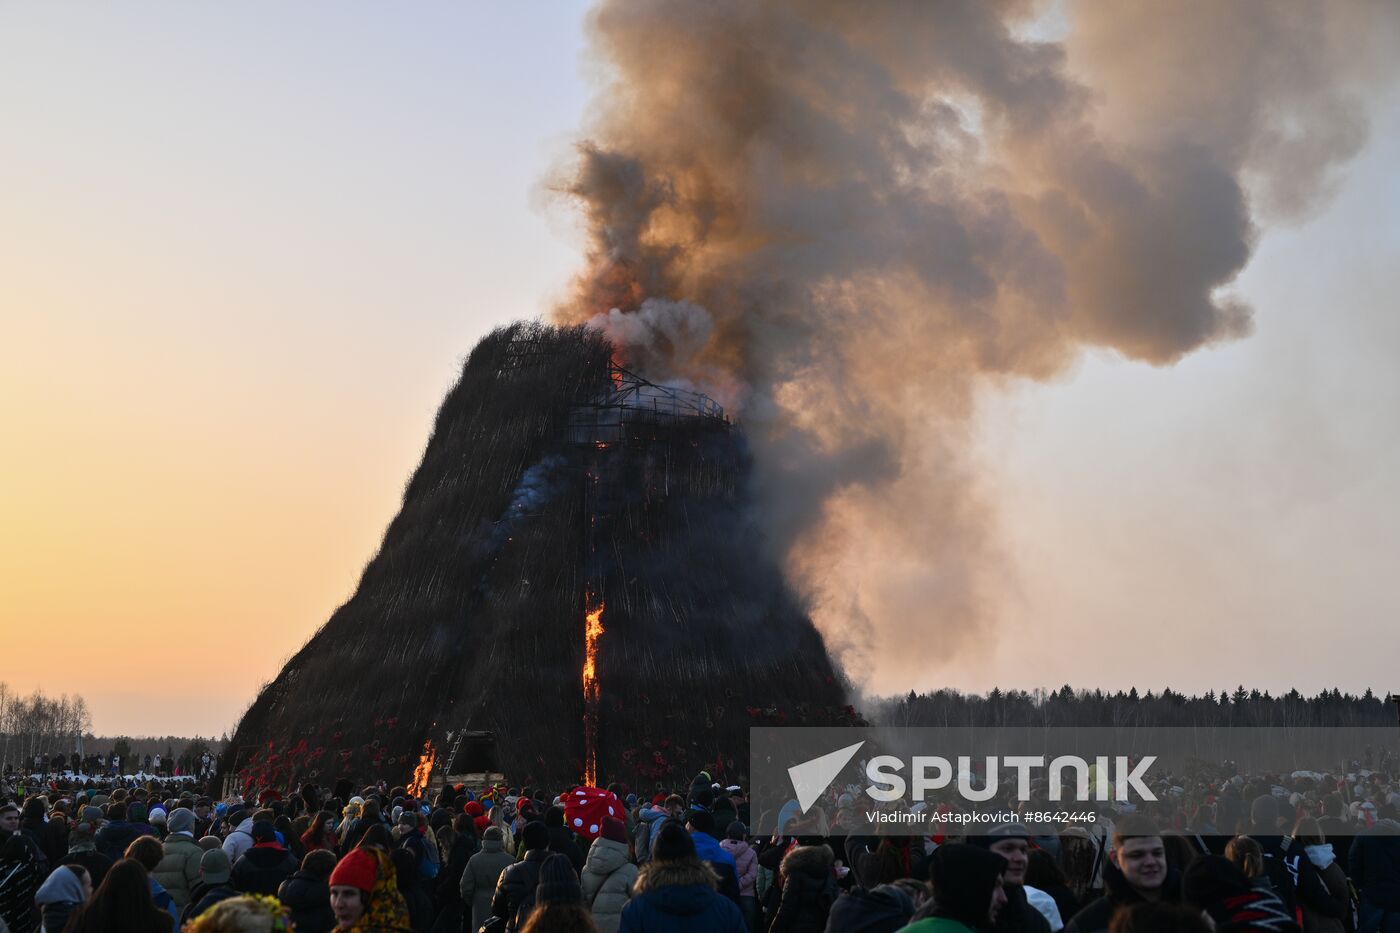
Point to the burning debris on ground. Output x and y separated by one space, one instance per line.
574 568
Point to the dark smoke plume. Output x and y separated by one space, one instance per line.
847 220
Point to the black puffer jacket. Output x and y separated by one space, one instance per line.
883 910
562 841
262 869
809 890
309 899
516 886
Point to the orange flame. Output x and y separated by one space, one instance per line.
419 784
593 627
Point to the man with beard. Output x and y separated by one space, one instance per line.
1136 872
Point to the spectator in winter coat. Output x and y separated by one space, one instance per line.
482 872
885 909
561 838
1136 872
240 840
1234 901
263 868
893 858
557 903
147 850
412 838
67 888
307 894
420 906
113 838
457 843
213 885
649 818
746 864
1337 829
1012 842
967 890
48 835
1326 905
82 849
21 873
1265 830
608 876
140 825
178 871
1375 870
701 825
517 882
675 892
809 890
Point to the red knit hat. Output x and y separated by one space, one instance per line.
472 808
614 829
482 822
357 870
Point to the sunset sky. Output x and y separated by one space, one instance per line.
246 247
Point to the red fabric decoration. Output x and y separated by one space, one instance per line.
585 808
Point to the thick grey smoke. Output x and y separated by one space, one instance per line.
850 219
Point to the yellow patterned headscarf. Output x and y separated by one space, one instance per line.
387 911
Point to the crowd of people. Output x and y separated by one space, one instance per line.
1296 854
115 764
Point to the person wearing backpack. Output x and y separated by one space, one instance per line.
414 839
608 875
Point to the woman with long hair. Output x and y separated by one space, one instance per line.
558 901
121 904
1322 891
320 834
377 836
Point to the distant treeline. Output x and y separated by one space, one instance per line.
1070 707
38 725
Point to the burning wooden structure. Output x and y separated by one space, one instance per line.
573 571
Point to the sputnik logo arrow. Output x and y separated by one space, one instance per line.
811 778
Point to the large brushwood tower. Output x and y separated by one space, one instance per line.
574 578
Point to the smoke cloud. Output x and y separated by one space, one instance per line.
847 220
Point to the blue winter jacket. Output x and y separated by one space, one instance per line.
678 896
